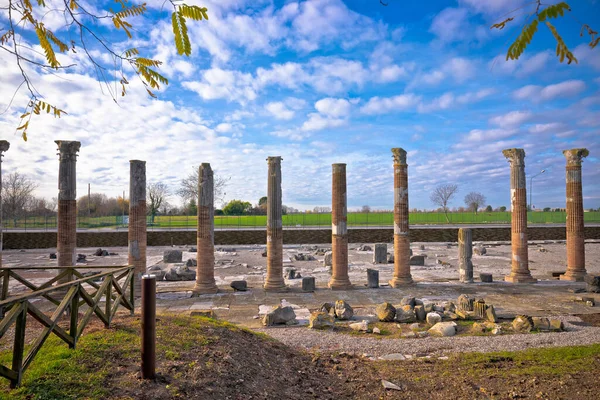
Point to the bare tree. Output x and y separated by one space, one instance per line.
474 200
17 192
189 186
156 196
365 209
442 195
322 210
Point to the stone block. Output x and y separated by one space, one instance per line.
443 329
479 250
308 284
433 318
372 278
280 316
328 261
239 286
420 313
408 301
417 260
485 277
385 312
380 254
320 320
343 310
171 256
522 324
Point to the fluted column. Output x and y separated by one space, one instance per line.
339 230
575 227
520 260
402 274
465 253
137 237
67 203
4 146
205 256
274 280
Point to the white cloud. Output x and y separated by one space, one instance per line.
384 105
218 83
546 128
456 69
333 107
495 8
317 122
223 127
489 135
513 118
449 25
439 103
472 97
538 93
279 110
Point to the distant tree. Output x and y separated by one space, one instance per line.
489 209
546 209
188 189
262 200
322 210
474 200
156 197
365 209
17 192
191 208
442 195
237 207
502 209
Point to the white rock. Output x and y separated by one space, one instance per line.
433 318
362 326
393 356
443 329
389 385
376 331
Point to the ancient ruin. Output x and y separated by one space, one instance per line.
274 280
575 231
401 239
205 235
339 229
465 252
67 203
518 194
137 216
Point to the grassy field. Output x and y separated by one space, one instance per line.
306 219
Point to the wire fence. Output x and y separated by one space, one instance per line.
298 220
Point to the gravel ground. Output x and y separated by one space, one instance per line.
304 338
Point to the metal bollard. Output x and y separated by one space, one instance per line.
148 326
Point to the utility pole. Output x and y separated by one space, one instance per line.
89 209
123 218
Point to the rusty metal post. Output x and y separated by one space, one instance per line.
575 227
148 326
67 204
274 280
137 220
205 235
339 230
518 193
402 274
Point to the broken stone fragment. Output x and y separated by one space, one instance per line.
328 261
280 316
385 312
486 278
490 314
191 262
53 256
171 256
239 286
326 307
478 328
180 273
541 323
433 318
417 260
408 301
362 326
387 385
420 312
405 314
380 254
522 324
343 311
556 325
320 320
443 329
479 250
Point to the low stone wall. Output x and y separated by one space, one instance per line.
43 240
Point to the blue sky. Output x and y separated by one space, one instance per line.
325 81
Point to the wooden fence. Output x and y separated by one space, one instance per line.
80 290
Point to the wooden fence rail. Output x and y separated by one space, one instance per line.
68 297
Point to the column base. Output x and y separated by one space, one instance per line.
467 281
205 288
575 276
339 284
399 282
520 278
275 286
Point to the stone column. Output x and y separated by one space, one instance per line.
339 230
67 203
274 280
465 252
4 146
520 262
575 234
205 236
401 240
137 219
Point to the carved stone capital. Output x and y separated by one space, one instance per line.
4 145
516 157
399 155
67 150
274 160
575 156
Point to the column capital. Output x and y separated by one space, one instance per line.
515 156
68 149
575 156
399 155
4 146
274 160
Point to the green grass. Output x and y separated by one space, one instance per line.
305 219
